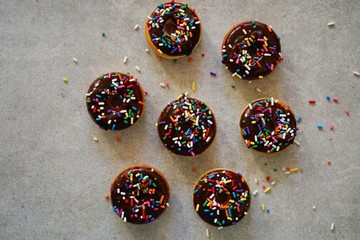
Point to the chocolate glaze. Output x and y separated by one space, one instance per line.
278 120
115 101
139 204
174 21
263 58
213 195
178 124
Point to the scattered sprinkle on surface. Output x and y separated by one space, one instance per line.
356 73
298 119
193 86
106 196
319 126
329 162
314 208
147 50
190 60
95 139
213 74
136 27
137 68
207 233
332 226
233 86
347 112
65 79
75 60
125 59
258 89
118 139
336 100
331 24
103 34
193 169
312 101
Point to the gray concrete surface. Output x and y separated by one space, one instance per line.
54 176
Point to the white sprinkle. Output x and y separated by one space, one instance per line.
255 192
314 208
272 101
136 27
256 181
95 139
234 74
125 59
273 183
330 24
75 60
162 85
250 82
332 226
137 68
147 50
296 142
244 31
258 89
356 73
207 233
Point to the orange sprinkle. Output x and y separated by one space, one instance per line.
141 103
329 162
269 28
118 139
257 62
193 169
172 119
265 47
190 60
106 196
161 199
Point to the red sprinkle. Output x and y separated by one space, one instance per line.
167 84
312 101
106 196
118 139
193 169
190 60
332 127
203 54
267 178
146 92
336 100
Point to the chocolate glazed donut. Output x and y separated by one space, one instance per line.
186 126
139 194
251 50
115 101
268 125
173 30
221 197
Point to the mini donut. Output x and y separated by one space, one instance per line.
173 30
251 50
139 194
186 126
268 125
115 101
221 197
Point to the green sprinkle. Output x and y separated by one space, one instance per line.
103 34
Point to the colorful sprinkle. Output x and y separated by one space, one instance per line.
314 208
75 60
356 73
320 126
103 34
336 100
328 98
267 190
332 127
332 226
213 73
298 119
331 24
312 101
136 27
263 207
268 210
95 139
347 112
190 60
193 86
147 50
118 139
65 79
125 59
106 196
329 162
137 68
193 169
207 233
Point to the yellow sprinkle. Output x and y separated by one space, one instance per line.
228 181
131 177
127 115
238 76
266 44
265 38
229 218
253 122
243 199
160 51
193 86
232 201
197 207
260 77
263 207
138 174
65 79
156 124
267 190
294 169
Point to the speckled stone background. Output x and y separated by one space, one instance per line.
54 176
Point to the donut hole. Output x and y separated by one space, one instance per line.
116 102
169 27
222 197
252 50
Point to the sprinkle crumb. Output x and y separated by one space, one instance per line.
332 226
332 127
356 73
65 79
207 233
118 139
250 82
106 196
75 60
95 139
136 27
193 169
331 24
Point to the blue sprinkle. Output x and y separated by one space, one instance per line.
298 119
328 98
320 126
267 210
